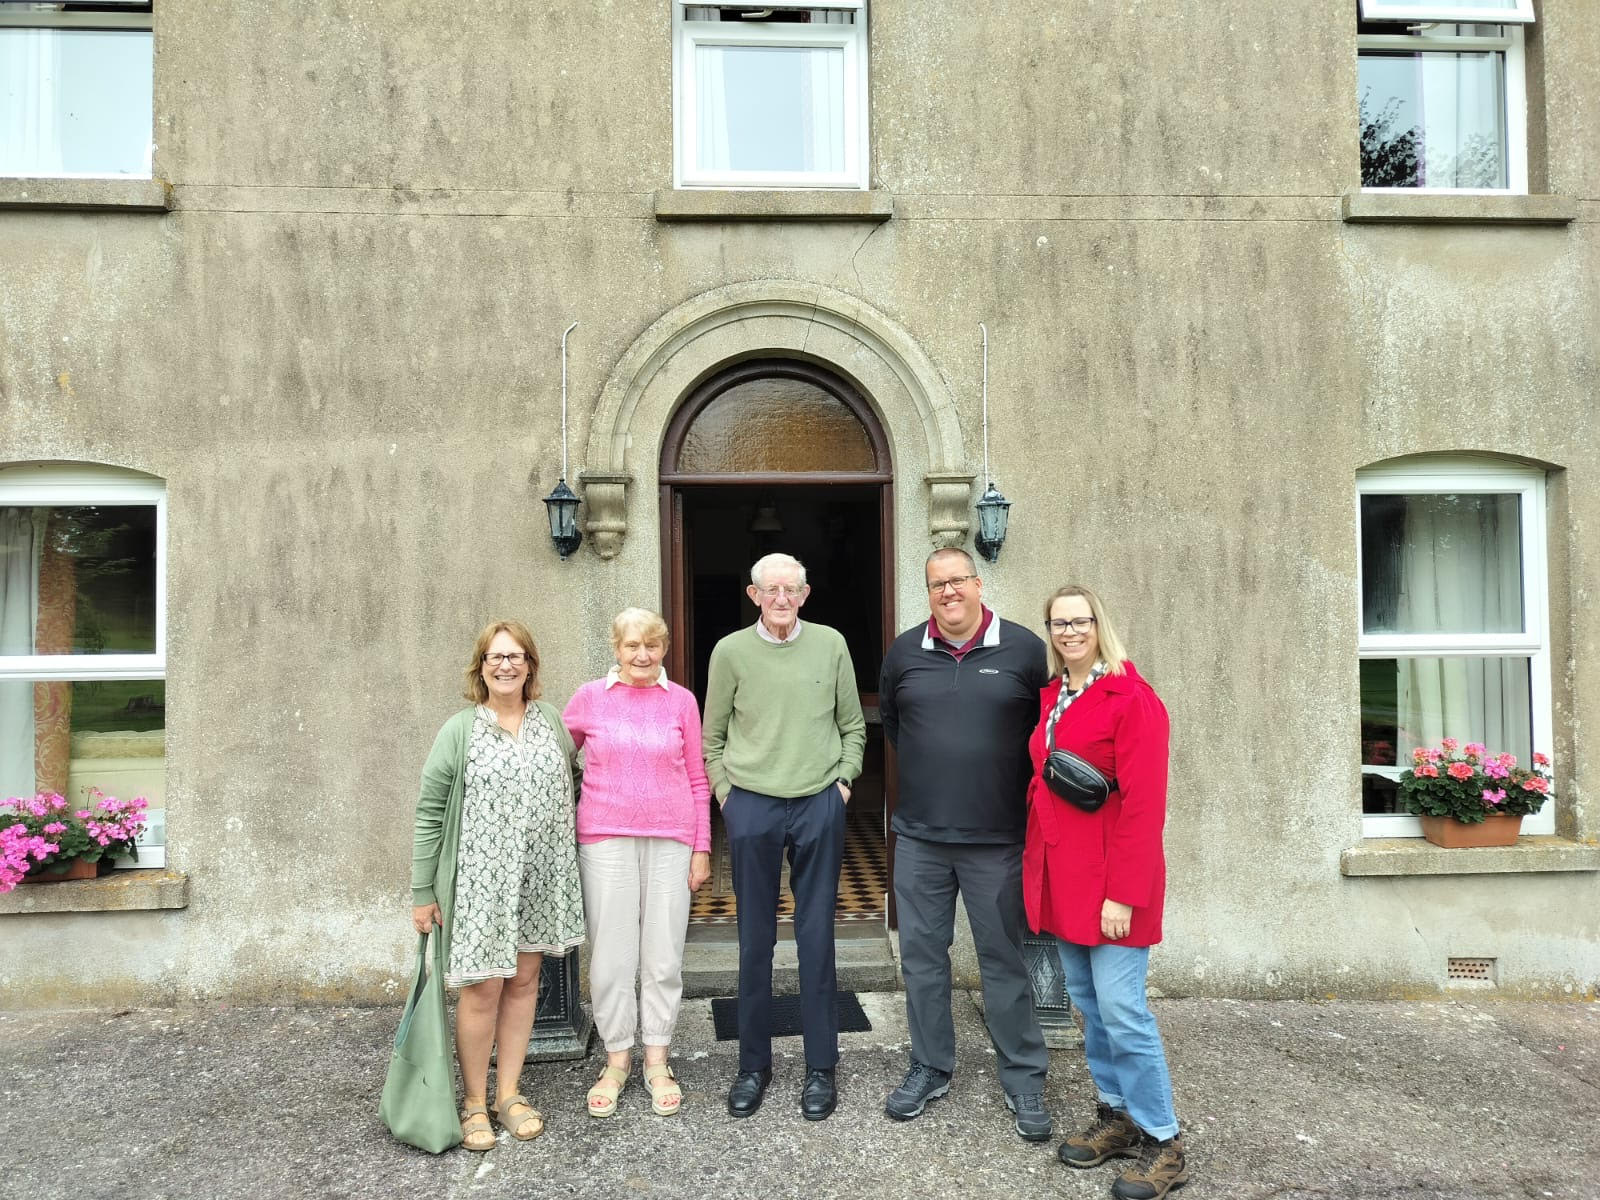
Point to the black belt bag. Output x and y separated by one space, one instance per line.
1076 780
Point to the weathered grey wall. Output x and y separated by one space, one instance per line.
340 352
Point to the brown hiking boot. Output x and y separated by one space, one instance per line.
1161 1169
1113 1135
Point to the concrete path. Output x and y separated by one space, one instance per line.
1466 1099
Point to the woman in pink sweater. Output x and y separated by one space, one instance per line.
644 843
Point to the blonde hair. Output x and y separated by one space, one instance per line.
649 625
1112 652
476 690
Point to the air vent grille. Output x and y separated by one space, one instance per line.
1470 970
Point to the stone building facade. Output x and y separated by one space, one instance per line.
308 344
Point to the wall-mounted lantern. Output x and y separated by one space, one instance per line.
993 508
561 505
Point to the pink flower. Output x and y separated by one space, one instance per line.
1506 760
55 827
57 803
1419 755
1540 760
1536 784
1427 771
83 814
1450 744
1435 755
1495 797
1474 750
1495 769
1459 770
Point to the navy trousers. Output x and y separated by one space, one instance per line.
810 830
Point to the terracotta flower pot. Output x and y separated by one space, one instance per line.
1499 830
77 868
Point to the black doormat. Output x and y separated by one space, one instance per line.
786 1016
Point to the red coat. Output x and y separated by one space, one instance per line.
1074 861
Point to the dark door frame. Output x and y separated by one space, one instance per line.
675 535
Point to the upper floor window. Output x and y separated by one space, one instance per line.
1443 97
1453 638
82 632
75 82
772 97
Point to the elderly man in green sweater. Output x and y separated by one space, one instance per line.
783 740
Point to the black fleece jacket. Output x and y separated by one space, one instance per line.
960 731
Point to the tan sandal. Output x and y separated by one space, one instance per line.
477 1134
517 1126
602 1100
665 1094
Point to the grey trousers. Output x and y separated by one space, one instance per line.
927 876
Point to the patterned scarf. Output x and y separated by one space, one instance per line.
1066 697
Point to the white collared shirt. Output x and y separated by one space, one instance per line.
614 677
767 635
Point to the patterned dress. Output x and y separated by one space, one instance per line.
517 884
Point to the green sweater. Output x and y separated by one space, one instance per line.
783 720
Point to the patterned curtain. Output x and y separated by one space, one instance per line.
52 702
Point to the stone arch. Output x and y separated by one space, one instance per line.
784 318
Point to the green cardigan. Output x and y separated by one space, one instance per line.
438 828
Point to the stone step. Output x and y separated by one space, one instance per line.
864 962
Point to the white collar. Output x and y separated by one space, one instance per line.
614 677
767 635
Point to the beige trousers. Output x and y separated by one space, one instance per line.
636 904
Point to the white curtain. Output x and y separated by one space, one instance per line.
30 110
822 108
711 109
21 548
1461 572
1462 103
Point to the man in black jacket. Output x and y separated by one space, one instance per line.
959 697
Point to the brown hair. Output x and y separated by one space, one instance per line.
1111 650
476 690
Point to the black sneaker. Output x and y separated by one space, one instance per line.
1033 1121
922 1083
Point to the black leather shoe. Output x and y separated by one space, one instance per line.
819 1096
747 1092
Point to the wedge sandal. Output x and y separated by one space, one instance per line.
516 1124
665 1094
602 1097
477 1134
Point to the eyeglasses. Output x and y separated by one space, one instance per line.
958 582
1077 625
495 659
793 591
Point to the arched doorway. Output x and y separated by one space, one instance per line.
778 454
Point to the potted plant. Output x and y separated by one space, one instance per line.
1466 796
44 838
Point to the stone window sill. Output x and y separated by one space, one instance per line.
724 204
120 891
1534 854
116 195
1400 208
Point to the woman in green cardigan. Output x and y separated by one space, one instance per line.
495 868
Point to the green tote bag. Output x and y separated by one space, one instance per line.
419 1096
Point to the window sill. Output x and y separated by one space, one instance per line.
119 195
1399 208
732 204
120 891
1533 854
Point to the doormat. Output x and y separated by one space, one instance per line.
786 1016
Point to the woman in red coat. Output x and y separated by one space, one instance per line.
1096 880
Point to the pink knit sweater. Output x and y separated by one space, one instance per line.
643 773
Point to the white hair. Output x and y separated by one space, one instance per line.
770 561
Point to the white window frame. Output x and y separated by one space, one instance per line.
1461 475
104 487
11 17
1476 14
1514 87
852 39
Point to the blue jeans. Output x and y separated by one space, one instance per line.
1120 1041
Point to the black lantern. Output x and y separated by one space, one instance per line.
562 508
992 513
